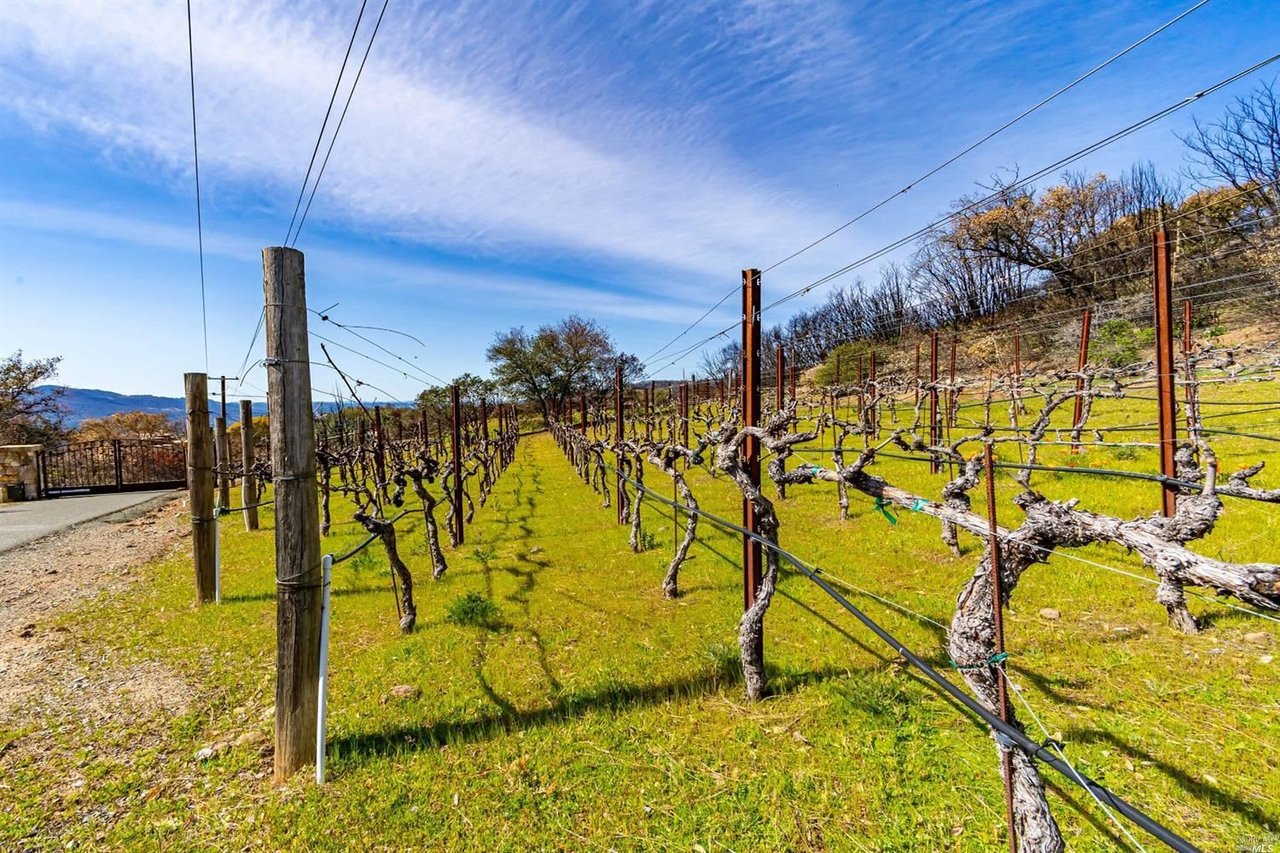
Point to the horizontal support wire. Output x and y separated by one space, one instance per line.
1014 736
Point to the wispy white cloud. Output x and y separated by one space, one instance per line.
428 152
376 276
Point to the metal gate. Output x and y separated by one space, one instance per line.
119 465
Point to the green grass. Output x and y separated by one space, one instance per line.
601 716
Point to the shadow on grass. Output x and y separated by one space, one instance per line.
1209 793
603 611
1086 808
878 655
723 673
1049 684
336 592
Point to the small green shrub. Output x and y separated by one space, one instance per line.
363 562
473 608
1116 343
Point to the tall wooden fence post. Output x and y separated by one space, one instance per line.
200 485
299 594
1162 281
752 564
249 482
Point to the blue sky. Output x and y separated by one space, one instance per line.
507 163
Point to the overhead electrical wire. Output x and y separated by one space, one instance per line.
936 169
1022 182
320 136
338 127
195 147
992 135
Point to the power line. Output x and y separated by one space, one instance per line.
195 147
993 134
319 137
692 325
1065 161
935 170
1016 737
920 232
338 128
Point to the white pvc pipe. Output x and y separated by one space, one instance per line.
217 558
326 566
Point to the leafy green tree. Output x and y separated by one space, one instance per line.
30 411
558 362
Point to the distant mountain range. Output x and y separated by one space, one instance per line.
82 403
85 403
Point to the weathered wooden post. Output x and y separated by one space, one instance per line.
249 482
456 419
752 563
299 594
1162 281
200 486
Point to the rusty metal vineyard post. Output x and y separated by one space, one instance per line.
1085 322
752 568
935 437
456 427
299 592
780 401
1189 378
875 398
1162 282
617 438
791 362
249 480
997 616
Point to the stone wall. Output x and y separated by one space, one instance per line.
18 465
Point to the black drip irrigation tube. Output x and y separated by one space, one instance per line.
1005 734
